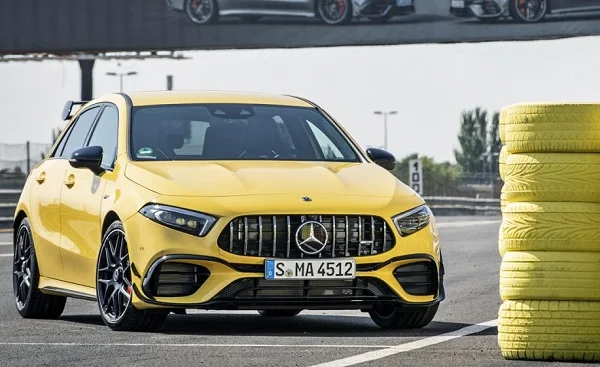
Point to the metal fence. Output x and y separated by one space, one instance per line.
17 160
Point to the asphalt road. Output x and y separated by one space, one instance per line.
38 26
246 339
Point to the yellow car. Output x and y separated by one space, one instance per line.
152 203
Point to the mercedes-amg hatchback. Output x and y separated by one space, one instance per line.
157 202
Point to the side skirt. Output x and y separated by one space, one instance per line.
60 288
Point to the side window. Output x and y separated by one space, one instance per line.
105 135
328 148
79 132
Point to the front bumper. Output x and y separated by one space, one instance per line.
151 245
376 285
385 8
479 8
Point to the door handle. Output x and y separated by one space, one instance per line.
41 178
70 181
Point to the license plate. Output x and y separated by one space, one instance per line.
310 269
458 3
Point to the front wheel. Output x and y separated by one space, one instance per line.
202 11
335 12
114 286
528 11
279 313
403 318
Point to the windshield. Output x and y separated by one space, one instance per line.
236 132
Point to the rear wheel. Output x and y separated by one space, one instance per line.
335 12
202 11
30 302
114 287
528 11
403 318
279 313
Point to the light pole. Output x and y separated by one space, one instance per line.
385 126
121 75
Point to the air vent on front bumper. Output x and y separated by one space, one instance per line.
173 279
258 289
275 236
418 279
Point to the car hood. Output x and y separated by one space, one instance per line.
241 178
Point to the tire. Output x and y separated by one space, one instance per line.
502 158
403 318
551 128
344 19
552 177
550 330
30 302
555 276
568 227
211 17
279 313
124 317
522 18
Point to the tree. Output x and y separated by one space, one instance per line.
479 141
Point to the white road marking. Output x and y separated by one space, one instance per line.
5 255
467 224
195 345
5 243
407 347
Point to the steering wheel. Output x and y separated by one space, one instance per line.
266 153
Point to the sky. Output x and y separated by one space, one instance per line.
429 85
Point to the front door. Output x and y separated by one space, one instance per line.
81 199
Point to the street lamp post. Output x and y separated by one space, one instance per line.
121 75
385 126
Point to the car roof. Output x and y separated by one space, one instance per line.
186 97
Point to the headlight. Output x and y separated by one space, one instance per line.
187 221
413 220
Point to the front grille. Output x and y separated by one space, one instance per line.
418 279
173 279
275 236
257 289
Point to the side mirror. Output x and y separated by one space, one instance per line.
88 157
382 158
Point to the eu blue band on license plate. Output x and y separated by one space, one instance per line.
270 269
279 269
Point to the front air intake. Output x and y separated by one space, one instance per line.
418 279
174 279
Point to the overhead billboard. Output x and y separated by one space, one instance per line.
67 26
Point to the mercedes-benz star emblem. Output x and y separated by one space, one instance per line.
311 237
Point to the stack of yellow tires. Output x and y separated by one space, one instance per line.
550 232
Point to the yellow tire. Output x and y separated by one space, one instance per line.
552 177
551 127
555 276
550 330
545 226
502 161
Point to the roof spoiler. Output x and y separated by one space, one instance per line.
66 113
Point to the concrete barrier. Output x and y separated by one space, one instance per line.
440 205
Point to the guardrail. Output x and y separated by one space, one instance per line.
440 205
448 205
8 203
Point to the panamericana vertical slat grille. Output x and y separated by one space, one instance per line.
275 236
